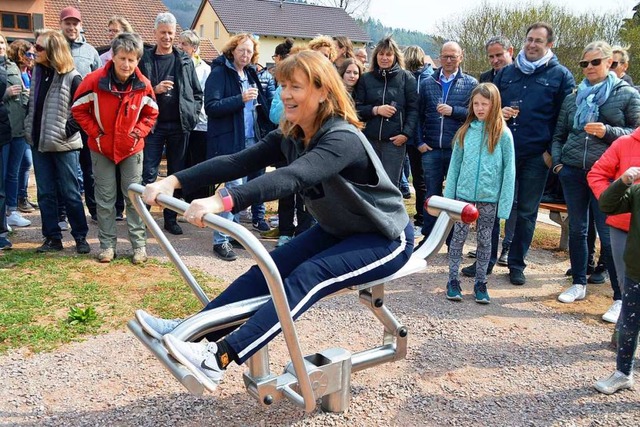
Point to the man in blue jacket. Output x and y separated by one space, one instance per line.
443 107
537 84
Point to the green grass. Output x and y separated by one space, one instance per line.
38 291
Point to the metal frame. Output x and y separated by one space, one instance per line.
324 375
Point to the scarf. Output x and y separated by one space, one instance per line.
589 97
529 67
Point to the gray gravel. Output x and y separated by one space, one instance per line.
514 362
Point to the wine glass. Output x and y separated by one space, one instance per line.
255 101
171 79
440 101
592 116
515 105
394 104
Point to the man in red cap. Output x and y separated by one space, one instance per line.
86 60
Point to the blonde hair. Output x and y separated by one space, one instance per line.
414 58
236 40
57 50
122 22
324 41
494 124
322 75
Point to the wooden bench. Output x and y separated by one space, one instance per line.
558 214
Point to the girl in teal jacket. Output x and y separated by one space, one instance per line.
482 171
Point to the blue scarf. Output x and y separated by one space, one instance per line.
589 97
529 67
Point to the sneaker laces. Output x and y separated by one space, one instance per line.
481 287
455 285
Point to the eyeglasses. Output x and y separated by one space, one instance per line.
593 62
531 40
39 48
275 56
449 57
30 55
614 65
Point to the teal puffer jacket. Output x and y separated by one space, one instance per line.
476 175
621 115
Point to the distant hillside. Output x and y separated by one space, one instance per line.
185 11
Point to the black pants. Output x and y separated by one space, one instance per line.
415 160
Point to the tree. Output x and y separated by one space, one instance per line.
573 31
355 8
630 36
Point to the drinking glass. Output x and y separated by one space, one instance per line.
394 104
440 101
255 101
591 117
169 91
515 105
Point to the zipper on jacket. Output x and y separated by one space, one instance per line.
384 94
475 191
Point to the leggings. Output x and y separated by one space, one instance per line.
483 252
628 326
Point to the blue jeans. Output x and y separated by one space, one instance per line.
53 171
313 265
218 237
579 198
435 165
23 174
12 154
531 177
176 141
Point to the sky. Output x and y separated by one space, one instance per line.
423 15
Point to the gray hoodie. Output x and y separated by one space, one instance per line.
85 56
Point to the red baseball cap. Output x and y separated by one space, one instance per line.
70 12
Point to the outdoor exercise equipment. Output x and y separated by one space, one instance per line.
325 375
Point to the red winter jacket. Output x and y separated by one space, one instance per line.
620 156
109 116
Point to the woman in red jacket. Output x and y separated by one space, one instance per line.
116 107
620 156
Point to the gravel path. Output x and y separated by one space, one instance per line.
515 362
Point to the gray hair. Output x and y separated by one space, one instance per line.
191 37
623 51
128 42
501 40
164 18
602 46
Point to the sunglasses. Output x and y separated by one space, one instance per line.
30 55
593 62
39 48
614 65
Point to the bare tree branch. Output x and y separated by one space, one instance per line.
355 8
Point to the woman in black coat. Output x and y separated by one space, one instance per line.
387 101
5 138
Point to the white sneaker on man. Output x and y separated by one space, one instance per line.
574 293
616 381
16 220
198 358
613 313
156 326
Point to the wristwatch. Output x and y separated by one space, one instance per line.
227 200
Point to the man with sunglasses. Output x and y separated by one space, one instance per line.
536 83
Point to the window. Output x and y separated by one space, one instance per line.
16 21
216 30
201 30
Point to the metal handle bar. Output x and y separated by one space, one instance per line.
264 261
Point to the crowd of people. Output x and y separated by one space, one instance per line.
347 131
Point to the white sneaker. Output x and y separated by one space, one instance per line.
198 358
17 220
616 381
139 255
106 255
155 326
613 313
64 225
574 293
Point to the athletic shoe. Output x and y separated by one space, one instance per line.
454 292
274 233
82 246
156 326
139 255
616 381
198 358
25 206
597 277
17 220
283 240
50 245
63 224
481 293
119 216
470 271
503 259
106 255
406 193
613 313
517 277
225 252
173 228
261 225
5 244
574 293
